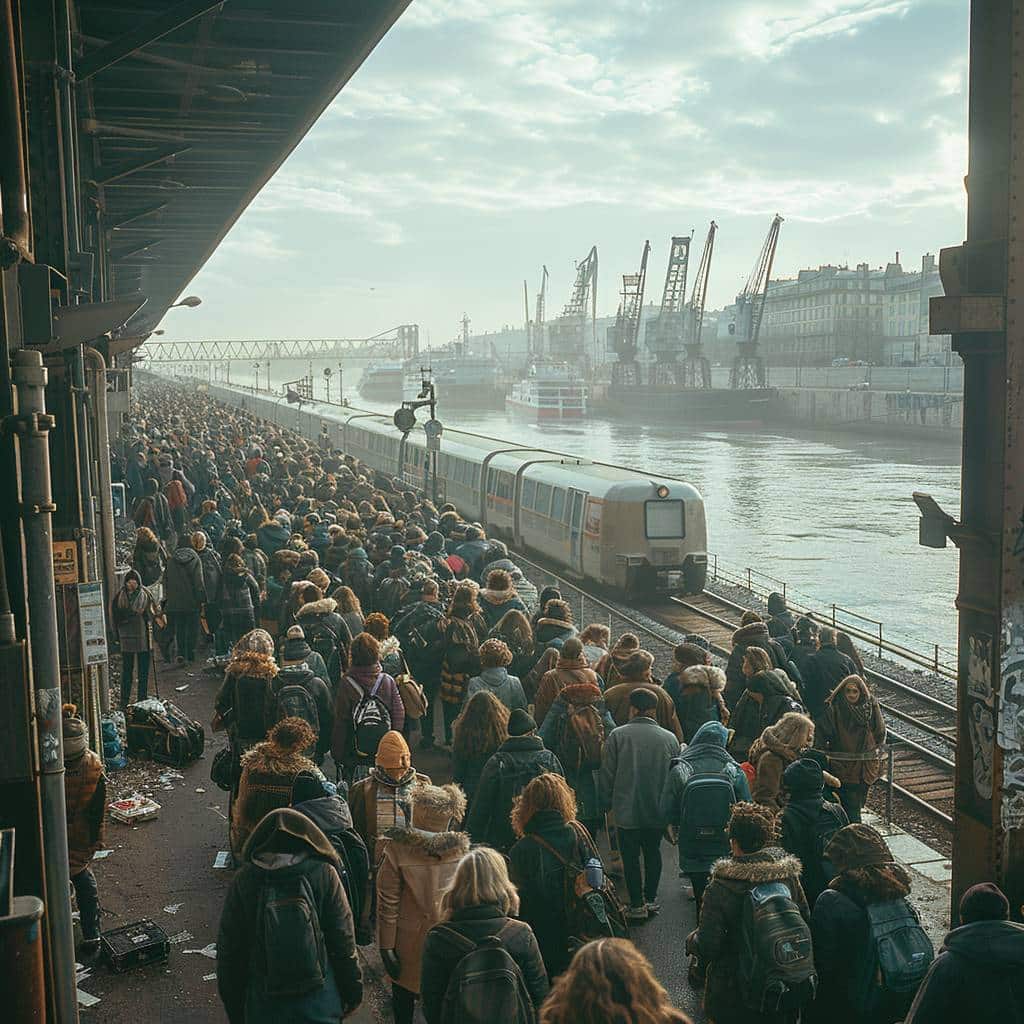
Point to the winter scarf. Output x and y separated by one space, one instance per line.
133 602
393 799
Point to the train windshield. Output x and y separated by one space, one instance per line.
664 520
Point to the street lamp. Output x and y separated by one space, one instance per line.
341 384
256 367
327 383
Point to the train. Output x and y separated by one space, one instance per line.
631 532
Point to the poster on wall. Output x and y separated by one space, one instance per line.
93 623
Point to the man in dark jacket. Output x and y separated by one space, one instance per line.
417 629
473 550
753 633
327 632
978 975
185 594
808 822
519 759
829 667
803 651
781 620
287 854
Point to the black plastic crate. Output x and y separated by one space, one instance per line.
133 945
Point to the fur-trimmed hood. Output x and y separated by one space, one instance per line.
756 868
581 693
500 597
268 758
252 664
749 633
774 681
324 606
703 677
766 743
431 844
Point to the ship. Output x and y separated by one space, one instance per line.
461 381
383 380
550 392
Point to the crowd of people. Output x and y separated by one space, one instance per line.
341 610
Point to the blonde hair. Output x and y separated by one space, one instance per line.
481 879
759 659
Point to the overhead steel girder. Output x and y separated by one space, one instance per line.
147 32
196 351
107 175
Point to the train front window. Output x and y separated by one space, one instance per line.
664 520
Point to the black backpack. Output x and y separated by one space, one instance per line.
291 949
899 955
391 594
487 986
830 821
704 816
371 718
776 961
322 639
417 630
293 700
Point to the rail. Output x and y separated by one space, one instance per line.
931 656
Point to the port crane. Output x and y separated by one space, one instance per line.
535 339
622 335
664 336
696 368
748 366
566 334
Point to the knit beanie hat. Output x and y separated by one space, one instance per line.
256 641
76 735
393 753
984 902
295 649
687 655
436 808
857 846
320 579
638 666
804 778
520 723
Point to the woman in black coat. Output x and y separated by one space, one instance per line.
478 904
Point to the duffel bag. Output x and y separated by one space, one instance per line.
167 735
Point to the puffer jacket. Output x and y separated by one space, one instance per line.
286 844
239 595
717 939
496 680
752 715
184 584
567 672
85 788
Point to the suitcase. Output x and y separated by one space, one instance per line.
168 736
134 945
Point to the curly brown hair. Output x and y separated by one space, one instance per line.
365 650
547 792
482 727
292 734
752 826
377 624
609 980
464 603
347 600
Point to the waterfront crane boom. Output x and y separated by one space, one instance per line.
748 366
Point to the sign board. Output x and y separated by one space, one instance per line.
65 561
93 624
119 499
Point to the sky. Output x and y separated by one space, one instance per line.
484 138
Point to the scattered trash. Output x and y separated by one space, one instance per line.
199 789
216 810
134 945
223 859
85 999
134 809
208 951
209 977
180 937
173 908
102 854
182 689
171 776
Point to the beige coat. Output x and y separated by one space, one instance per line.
565 673
414 869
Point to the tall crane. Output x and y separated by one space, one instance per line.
537 347
622 335
664 336
696 368
527 322
567 333
748 366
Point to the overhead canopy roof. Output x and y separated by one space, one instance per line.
191 106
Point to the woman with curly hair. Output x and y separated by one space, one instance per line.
463 629
610 981
515 631
349 608
378 625
544 820
480 729
495 657
716 942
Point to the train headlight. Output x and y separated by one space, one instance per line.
662 491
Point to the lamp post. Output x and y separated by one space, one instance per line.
341 384
256 386
327 383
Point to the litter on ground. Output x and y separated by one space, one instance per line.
173 908
222 860
208 950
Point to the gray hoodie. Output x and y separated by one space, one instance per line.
508 689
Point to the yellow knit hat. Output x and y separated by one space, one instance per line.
393 753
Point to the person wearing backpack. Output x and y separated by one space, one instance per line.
325 631
773 751
495 658
238 601
519 759
417 627
754 908
298 693
808 823
296 651
570 668
634 766
984 955
703 785
696 691
768 696
863 909
479 963
550 632
415 865
286 944
462 629
576 728
366 706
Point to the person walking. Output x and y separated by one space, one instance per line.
494 677
769 694
985 954
634 766
753 632
570 668
696 690
703 784
478 732
499 597
854 731
829 667
184 597
634 672
286 946
462 629
480 904
514 630
519 759
773 751
133 612
238 602
416 864
418 627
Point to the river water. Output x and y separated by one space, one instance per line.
832 515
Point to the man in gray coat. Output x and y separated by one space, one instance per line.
634 766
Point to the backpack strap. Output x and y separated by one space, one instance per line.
456 938
355 686
377 684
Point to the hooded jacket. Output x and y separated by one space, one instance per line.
286 844
567 672
495 603
302 675
239 594
770 758
272 536
751 716
717 939
696 693
755 634
706 753
978 976
184 583
496 680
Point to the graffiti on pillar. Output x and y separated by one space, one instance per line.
1010 725
980 723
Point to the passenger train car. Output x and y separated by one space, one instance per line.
620 528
